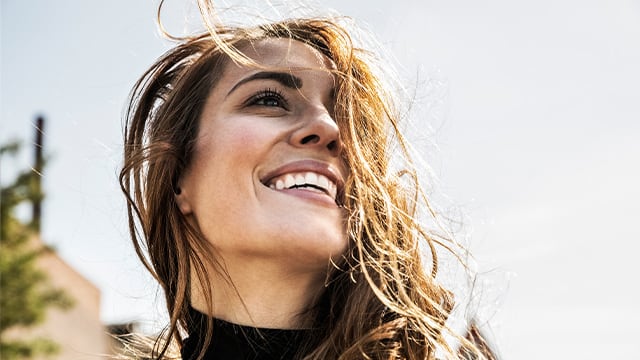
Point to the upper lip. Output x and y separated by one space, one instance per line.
323 168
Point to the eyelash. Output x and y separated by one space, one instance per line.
268 94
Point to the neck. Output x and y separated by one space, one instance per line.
260 293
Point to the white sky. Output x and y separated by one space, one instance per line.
536 111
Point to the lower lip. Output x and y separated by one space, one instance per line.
309 195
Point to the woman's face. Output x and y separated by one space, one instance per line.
267 164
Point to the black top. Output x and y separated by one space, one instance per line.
231 341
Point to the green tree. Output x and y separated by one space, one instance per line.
25 291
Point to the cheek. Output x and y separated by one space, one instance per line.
223 166
243 137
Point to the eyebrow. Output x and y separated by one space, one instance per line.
284 78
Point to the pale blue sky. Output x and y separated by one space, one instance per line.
535 109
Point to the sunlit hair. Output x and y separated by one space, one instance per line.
381 300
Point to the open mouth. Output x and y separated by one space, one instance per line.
307 180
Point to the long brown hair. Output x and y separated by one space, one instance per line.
382 300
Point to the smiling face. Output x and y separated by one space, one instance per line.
266 167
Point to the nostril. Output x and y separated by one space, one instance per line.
311 139
332 146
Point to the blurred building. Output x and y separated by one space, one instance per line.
78 331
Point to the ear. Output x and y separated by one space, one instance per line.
182 200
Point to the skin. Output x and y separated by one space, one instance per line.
275 245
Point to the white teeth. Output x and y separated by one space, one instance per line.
318 182
311 178
289 181
323 182
332 190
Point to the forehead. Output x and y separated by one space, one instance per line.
286 54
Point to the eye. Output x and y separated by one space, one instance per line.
268 98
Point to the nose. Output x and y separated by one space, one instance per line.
320 131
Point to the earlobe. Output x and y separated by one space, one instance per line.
182 201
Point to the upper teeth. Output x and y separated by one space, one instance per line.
317 182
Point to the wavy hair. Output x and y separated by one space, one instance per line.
381 300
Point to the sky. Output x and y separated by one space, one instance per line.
531 111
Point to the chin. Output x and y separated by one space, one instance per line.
316 249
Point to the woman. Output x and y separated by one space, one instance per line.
260 196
